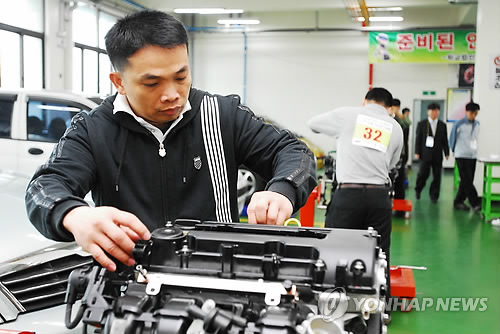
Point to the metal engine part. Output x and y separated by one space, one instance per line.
209 277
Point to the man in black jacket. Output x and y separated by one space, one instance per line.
161 150
431 142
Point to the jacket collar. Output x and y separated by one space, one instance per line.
128 120
121 104
431 121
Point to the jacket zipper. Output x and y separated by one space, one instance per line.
162 151
164 189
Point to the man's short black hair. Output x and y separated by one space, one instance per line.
396 103
135 31
471 106
433 106
379 95
405 110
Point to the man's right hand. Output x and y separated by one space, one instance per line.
417 156
104 230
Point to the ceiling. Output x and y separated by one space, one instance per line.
283 5
334 14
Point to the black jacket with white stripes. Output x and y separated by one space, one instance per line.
117 159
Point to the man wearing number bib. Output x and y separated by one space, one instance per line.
430 144
369 144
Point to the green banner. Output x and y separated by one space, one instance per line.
432 46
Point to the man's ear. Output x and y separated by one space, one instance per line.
117 81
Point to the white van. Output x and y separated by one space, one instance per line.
31 122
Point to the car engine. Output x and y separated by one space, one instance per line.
209 277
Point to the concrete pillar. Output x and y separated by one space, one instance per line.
488 97
58 51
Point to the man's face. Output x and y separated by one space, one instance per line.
433 113
471 115
396 110
156 82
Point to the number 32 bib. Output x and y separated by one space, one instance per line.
372 133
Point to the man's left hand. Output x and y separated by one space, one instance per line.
269 207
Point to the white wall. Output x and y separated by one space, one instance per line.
58 46
408 81
292 76
217 62
488 46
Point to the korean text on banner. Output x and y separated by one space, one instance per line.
439 46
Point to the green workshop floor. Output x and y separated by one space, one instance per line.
462 254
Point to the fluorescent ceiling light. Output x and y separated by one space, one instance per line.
207 11
385 9
238 21
386 18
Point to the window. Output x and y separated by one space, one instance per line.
77 69
21 60
91 65
47 120
90 72
25 14
85 25
6 105
106 21
10 64
21 37
104 70
33 63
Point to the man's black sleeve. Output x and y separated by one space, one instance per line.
446 146
276 155
62 182
418 139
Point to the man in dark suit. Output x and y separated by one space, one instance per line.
431 143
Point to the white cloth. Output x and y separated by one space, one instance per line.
357 163
434 124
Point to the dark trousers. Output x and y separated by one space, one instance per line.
423 174
360 208
399 183
466 189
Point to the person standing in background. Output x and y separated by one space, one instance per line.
404 122
369 144
406 130
430 144
463 143
406 115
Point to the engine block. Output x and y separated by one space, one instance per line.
209 277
